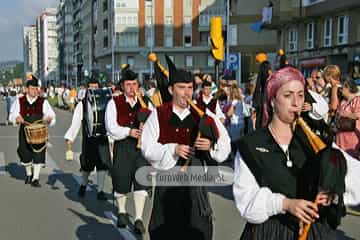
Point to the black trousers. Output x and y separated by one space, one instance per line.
175 215
126 161
26 153
95 153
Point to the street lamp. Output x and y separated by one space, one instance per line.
227 33
113 38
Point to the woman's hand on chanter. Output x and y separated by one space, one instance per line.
304 210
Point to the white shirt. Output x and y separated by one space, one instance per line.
320 107
162 156
218 112
75 126
257 204
47 110
114 130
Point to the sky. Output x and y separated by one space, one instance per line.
14 14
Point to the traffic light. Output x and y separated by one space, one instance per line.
217 40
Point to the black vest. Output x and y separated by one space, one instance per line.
267 162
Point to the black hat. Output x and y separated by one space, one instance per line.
127 73
32 82
93 80
206 84
177 76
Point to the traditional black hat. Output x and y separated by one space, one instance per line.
206 84
127 73
32 82
177 76
93 79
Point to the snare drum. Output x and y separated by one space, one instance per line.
36 133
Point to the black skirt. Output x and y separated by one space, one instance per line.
276 229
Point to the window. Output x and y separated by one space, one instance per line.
105 24
188 4
168 4
105 5
149 40
106 42
327 32
187 41
131 60
343 29
293 38
204 38
233 35
168 20
310 35
168 40
127 39
187 21
188 61
210 61
148 20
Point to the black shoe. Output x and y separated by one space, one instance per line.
122 220
35 183
101 196
82 191
28 179
139 227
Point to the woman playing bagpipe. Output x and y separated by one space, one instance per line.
169 139
285 179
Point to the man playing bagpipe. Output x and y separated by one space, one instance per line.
169 139
205 101
95 146
28 110
125 115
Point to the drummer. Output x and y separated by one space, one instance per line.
95 150
28 109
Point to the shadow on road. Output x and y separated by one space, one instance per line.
340 235
95 230
90 201
16 171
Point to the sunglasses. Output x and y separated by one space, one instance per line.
317 77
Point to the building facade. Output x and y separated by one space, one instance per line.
64 26
132 29
48 47
327 32
30 50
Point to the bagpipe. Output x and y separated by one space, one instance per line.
331 176
142 114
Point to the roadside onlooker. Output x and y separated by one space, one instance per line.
236 117
332 75
248 109
349 109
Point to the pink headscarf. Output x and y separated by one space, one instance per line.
274 83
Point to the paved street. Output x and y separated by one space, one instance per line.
55 212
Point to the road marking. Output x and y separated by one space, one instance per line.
125 233
2 164
50 165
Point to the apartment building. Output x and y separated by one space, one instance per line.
65 41
30 49
47 46
326 32
132 29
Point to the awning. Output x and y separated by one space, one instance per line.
314 62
